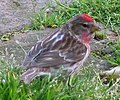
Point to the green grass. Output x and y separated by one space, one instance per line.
86 86
106 12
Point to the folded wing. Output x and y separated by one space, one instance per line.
57 49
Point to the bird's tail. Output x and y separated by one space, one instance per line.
32 73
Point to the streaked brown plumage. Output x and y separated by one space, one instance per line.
68 46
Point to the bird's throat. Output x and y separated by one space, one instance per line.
86 38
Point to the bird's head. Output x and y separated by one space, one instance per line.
83 25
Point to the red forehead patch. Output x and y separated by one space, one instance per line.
87 18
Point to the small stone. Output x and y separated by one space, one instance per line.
114 73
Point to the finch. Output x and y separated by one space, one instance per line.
69 47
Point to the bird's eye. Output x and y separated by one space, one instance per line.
85 25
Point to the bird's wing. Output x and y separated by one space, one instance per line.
55 50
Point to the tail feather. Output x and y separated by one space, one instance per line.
31 74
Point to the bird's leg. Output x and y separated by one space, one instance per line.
69 81
76 68
49 76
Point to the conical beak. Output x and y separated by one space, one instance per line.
95 28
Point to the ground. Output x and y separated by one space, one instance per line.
16 14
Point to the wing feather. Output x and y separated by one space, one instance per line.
59 50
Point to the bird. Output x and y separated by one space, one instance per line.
67 48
